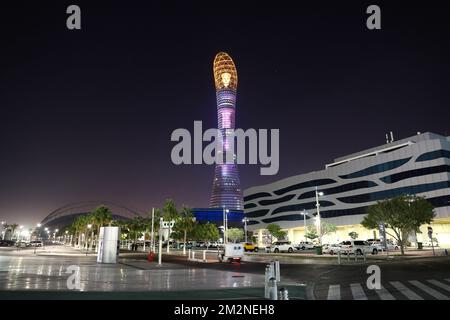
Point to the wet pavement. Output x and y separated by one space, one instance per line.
48 270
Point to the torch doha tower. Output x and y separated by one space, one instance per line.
226 191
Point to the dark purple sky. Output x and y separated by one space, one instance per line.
88 114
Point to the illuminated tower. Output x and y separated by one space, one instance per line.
226 192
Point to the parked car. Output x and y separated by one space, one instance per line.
36 243
189 245
379 245
22 244
212 245
282 246
331 248
303 245
428 243
250 246
6 243
200 244
357 247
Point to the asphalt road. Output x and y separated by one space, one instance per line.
426 278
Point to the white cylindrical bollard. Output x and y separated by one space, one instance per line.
189 254
277 270
266 281
204 255
283 294
193 255
364 255
339 257
273 292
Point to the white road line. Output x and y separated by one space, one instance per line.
429 290
384 294
334 292
411 295
358 292
440 284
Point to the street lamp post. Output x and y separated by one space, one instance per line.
304 214
245 220
319 227
225 225
89 226
3 230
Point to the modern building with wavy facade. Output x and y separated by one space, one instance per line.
226 191
418 165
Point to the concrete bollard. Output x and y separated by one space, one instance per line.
273 292
364 257
339 257
277 270
204 255
189 254
267 277
193 255
283 294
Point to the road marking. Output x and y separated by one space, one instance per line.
334 292
384 294
411 295
429 290
358 292
440 284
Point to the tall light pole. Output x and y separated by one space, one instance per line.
319 227
304 214
3 230
89 226
226 225
245 220
153 237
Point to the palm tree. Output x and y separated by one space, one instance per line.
13 228
170 213
185 223
101 216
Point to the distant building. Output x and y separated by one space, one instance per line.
418 165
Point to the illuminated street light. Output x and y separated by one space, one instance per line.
318 194
245 220
304 214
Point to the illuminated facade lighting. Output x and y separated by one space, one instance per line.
226 191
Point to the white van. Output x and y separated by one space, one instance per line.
357 247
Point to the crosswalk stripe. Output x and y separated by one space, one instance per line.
429 290
384 294
440 284
411 295
334 292
358 292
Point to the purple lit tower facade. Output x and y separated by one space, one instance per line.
226 191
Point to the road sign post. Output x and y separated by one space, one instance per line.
430 235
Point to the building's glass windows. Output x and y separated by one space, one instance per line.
290 217
415 173
275 201
303 185
376 169
302 206
340 189
250 205
257 213
381 195
256 196
433 155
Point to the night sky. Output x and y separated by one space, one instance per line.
87 115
